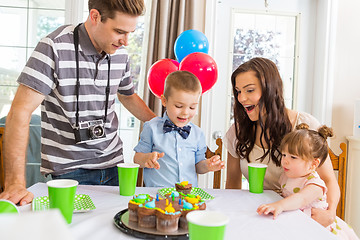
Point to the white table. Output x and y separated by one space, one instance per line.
239 205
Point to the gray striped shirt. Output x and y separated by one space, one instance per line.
51 70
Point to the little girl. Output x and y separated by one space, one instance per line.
304 150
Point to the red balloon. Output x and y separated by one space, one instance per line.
203 66
157 74
175 62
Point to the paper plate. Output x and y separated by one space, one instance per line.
82 203
195 190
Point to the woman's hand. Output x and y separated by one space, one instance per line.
324 217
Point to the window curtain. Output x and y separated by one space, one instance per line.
168 19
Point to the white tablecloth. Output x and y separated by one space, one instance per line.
239 205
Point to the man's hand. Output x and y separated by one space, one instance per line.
17 193
324 217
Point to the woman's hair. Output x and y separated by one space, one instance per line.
306 143
108 8
276 123
181 80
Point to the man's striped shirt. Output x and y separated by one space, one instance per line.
51 71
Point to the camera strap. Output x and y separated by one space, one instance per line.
77 87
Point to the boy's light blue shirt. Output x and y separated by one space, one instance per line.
181 155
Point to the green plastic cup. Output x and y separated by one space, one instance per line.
209 225
128 173
62 196
8 207
256 177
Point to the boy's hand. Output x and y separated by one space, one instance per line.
152 162
274 208
214 163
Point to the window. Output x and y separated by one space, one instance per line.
272 36
30 21
23 23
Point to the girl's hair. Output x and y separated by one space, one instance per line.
276 123
108 8
181 80
308 144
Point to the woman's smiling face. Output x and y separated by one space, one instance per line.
249 93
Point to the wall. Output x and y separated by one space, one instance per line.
346 91
346 71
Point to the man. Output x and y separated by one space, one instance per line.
75 74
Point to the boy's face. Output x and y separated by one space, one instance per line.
181 106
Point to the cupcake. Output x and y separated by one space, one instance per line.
146 215
134 203
168 220
183 187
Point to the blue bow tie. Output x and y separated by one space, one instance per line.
183 131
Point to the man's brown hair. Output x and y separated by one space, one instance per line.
108 8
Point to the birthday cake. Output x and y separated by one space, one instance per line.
165 214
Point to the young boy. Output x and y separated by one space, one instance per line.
171 148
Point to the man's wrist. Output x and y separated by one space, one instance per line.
15 181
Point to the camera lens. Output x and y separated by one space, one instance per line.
97 131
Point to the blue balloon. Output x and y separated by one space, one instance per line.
190 41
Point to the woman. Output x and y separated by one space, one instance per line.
261 121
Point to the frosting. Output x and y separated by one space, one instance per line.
192 200
150 204
140 199
187 205
184 183
169 208
173 204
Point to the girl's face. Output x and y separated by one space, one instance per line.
181 106
295 166
248 90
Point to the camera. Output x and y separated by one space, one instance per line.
89 130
